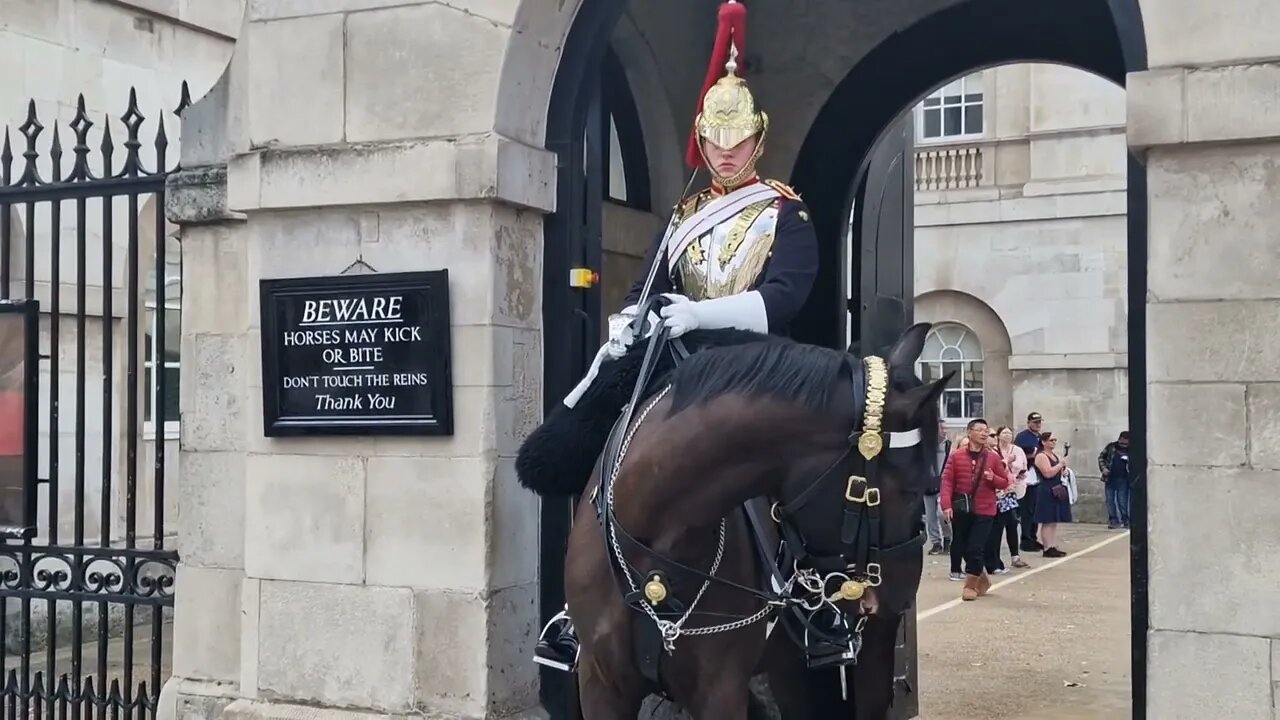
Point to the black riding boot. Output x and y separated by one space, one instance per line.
558 644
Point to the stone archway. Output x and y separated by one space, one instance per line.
941 41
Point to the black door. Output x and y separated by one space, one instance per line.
882 267
883 240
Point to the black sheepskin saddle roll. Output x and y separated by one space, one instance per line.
557 458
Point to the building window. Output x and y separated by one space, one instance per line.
168 363
951 347
626 181
953 111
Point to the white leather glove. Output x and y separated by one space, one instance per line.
744 311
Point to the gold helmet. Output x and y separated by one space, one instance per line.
727 115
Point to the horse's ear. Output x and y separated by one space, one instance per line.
907 350
918 398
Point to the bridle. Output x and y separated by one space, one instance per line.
808 590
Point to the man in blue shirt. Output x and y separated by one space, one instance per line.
1029 441
1113 462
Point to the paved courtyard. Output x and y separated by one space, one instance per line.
1048 643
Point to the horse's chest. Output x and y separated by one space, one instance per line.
730 258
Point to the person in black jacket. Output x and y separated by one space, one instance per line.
939 533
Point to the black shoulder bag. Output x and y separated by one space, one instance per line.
963 504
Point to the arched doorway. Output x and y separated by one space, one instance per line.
854 161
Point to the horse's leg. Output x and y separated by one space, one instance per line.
606 696
786 682
726 699
873 676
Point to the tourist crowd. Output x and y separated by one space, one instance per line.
999 489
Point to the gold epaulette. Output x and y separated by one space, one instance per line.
690 205
783 188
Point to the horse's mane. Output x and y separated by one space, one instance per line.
799 373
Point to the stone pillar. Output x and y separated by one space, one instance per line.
386 575
1205 116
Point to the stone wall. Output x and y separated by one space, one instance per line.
418 557
1033 258
1202 117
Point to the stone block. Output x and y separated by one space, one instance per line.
426 520
482 355
1223 579
206 630
296 97
1275 676
1178 685
1190 32
211 509
1200 425
513 623
298 244
208 306
434 237
517 246
1232 341
1156 113
472 167
1218 246
212 392
451 658
339 645
513 531
1264 427
199 707
304 518
250 636
1240 102
421 71
499 11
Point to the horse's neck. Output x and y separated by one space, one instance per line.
701 466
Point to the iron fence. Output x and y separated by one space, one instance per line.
86 589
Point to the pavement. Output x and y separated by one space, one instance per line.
1050 642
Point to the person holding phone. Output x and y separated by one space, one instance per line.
970 480
1053 499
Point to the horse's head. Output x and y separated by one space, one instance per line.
864 513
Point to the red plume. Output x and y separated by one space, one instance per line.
732 22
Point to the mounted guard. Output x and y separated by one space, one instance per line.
741 254
735 482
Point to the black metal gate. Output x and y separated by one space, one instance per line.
88 589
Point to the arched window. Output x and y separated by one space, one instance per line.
953 347
627 179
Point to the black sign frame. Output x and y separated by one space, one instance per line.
436 334
29 310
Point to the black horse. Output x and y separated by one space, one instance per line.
671 576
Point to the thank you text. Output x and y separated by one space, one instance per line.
365 354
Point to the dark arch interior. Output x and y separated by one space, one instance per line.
1102 36
1094 35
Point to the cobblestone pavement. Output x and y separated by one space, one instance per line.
1014 653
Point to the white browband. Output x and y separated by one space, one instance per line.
910 438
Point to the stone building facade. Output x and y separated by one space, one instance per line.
1020 255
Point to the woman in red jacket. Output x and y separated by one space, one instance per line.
970 480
